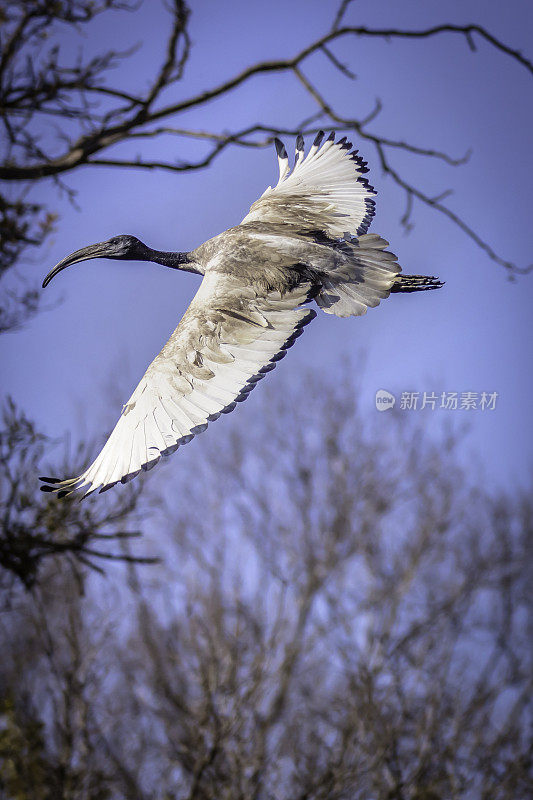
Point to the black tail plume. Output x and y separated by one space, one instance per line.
416 283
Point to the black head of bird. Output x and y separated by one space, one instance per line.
123 247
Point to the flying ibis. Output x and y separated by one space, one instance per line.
304 240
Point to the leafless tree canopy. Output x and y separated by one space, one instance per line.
345 618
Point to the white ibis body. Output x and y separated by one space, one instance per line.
304 240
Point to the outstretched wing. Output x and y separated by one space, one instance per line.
325 191
228 339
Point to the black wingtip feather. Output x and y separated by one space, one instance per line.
318 139
150 464
267 368
130 476
280 148
107 487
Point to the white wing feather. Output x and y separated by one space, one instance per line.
222 347
325 191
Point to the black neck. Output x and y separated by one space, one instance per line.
173 260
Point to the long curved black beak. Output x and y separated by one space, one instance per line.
100 250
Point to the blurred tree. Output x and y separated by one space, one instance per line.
346 618
21 225
34 527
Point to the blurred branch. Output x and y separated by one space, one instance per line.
34 528
22 225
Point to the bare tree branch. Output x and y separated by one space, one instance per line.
411 190
86 146
74 93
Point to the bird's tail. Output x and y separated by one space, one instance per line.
364 273
416 283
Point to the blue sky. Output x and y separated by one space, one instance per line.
474 335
